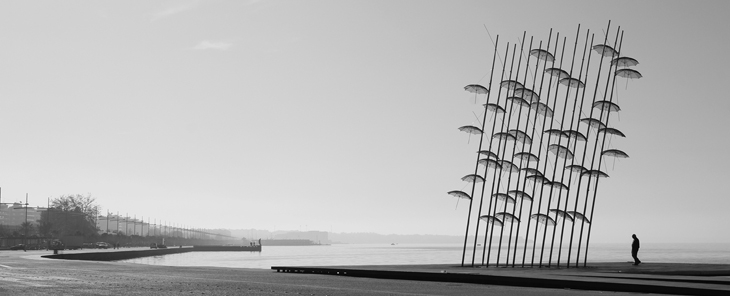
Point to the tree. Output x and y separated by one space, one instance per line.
71 215
26 228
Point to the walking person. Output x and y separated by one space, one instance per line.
635 249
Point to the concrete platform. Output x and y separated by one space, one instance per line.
663 278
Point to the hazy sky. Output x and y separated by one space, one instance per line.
339 115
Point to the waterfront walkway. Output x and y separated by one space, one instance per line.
27 273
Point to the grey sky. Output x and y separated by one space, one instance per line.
339 115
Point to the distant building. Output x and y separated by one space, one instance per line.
15 214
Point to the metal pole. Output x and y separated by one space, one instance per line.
557 158
495 176
575 142
476 170
588 186
600 155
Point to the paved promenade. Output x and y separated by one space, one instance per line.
26 273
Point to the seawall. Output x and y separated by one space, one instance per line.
119 255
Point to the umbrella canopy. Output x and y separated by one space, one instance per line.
525 157
521 136
557 134
624 62
526 94
576 168
494 108
459 194
504 136
612 131
556 72
579 216
560 151
615 153
606 106
490 163
519 101
572 82
519 194
562 214
544 219
471 129
532 171
542 54
503 197
594 123
605 50
489 154
557 185
575 135
537 179
472 178
507 217
476 89
491 220
511 84
509 167
595 173
542 109
628 73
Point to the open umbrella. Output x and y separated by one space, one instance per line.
476 89
579 216
521 136
511 84
595 173
575 135
556 72
560 151
519 194
509 167
504 136
537 179
526 94
612 131
615 153
459 194
519 101
594 123
562 214
544 219
472 178
490 163
557 185
531 171
491 220
628 73
525 157
503 197
489 154
542 54
541 109
572 82
606 106
576 168
507 217
605 50
471 129
624 62
556 134
494 108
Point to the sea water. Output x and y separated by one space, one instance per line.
387 254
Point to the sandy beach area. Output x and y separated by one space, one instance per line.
26 273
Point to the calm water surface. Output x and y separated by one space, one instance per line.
385 254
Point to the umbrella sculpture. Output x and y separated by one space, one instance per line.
567 116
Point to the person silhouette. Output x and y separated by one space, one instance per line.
635 249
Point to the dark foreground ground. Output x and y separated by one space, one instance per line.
25 273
